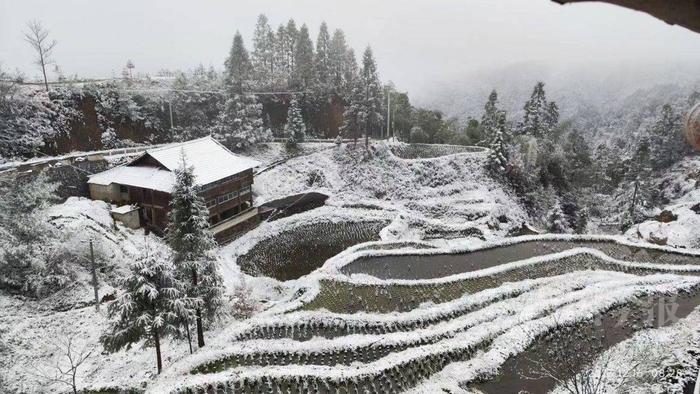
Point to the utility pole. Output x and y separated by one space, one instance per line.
367 117
94 276
170 108
388 113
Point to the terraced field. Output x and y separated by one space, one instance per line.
378 320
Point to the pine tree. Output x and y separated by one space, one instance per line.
238 67
303 60
489 120
322 61
557 221
263 55
192 243
295 129
351 73
338 59
353 115
241 124
667 142
540 116
497 160
285 50
371 106
151 306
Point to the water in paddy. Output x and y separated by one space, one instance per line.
568 350
441 265
298 251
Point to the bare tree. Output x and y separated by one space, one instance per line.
58 372
38 38
130 66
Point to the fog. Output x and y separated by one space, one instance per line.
419 44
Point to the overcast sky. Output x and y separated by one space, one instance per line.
416 42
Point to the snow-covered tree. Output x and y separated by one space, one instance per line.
557 221
130 66
363 111
192 243
303 60
497 160
540 116
667 142
285 49
372 102
490 117
109 139
295 129
263 55
195 103
322 61
29 262
38 38
151 306
353 125
238 67
241 123
342 64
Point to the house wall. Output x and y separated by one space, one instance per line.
225 198
108 193
229 197
155 205
130 219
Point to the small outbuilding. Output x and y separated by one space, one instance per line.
224 178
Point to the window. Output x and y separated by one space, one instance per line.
245 190
211 203
123 189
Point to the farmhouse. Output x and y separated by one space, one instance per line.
224 178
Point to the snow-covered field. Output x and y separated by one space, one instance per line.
328 331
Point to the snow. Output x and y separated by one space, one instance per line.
450 193
211 160
496 322
636 364
124 209
153 178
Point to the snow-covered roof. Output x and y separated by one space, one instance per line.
211 162
124 209
139 176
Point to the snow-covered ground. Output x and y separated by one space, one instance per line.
439 205
682 187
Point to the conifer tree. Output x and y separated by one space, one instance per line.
338 61
557 221
263 55
371 103
490 118
304 60
151 307
241 123
192 243
238 67
322 66
295 129
351 73
353 116
285 50
540 116
497 160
